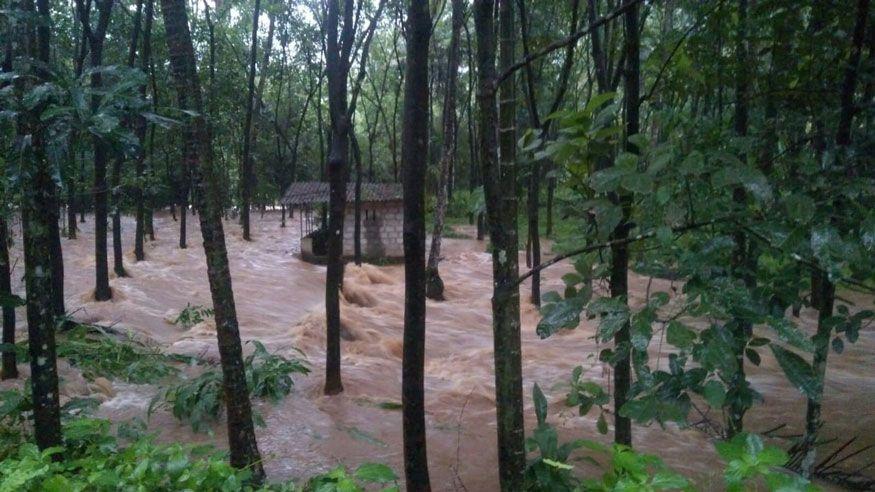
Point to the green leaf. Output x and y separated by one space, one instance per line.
637 183
602 424
714 393
679 335
557 464
798 371
375 473
540 404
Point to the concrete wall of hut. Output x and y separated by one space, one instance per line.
382 230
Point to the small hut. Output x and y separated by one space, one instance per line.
382 219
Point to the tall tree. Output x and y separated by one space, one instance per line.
619 281
140 130
247 167
499 179
199 157
9 368
96 36
434 283
37 222
414 145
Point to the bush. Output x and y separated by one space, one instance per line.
199 401
192 315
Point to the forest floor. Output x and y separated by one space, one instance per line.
280 301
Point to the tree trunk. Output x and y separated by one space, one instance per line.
357 206
337 67
741 256
434 284
414 145
199 154
140 130
96 38
825 299
500 186
10 370
619 282
38 219
246 168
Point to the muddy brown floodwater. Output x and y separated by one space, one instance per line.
280 301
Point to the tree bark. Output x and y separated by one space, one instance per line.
10 370
434 284
96 38
140 130
619 282
199 154
38 221
414 145
247 167
499 179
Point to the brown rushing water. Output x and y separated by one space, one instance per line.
280 302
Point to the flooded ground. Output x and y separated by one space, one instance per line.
280 302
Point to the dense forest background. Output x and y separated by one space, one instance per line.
723 144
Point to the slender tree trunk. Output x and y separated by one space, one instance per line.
741 257
38 219
434 283
357 211
246 168
140 130
96 37
619 282
499 179
10 370
199 154
414 145
183 206
825 299
337 67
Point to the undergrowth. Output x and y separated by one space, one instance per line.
199 401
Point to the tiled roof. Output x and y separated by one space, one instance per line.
313 192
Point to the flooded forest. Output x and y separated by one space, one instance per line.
450 245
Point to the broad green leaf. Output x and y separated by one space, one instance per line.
798 371
375 473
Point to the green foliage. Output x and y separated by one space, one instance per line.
339 480
97 354
199 401
192 315
749 460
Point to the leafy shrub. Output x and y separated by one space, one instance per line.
192 315
339 480
96 354
269 375
748 460
199 401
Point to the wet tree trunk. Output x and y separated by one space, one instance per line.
246 167
96 38
337 65
10 370
619 282
825 299
241 432
183 202
357 206
414 145
117 252
434 284
499 179
741 256
38 220
140 130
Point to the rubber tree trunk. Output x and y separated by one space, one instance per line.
824 289
199 157
38 220
434 283
742 256
414 145
246 165
338 170
97 36
140 131
499 181
619 281
10 370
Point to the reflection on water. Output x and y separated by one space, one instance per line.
280 302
